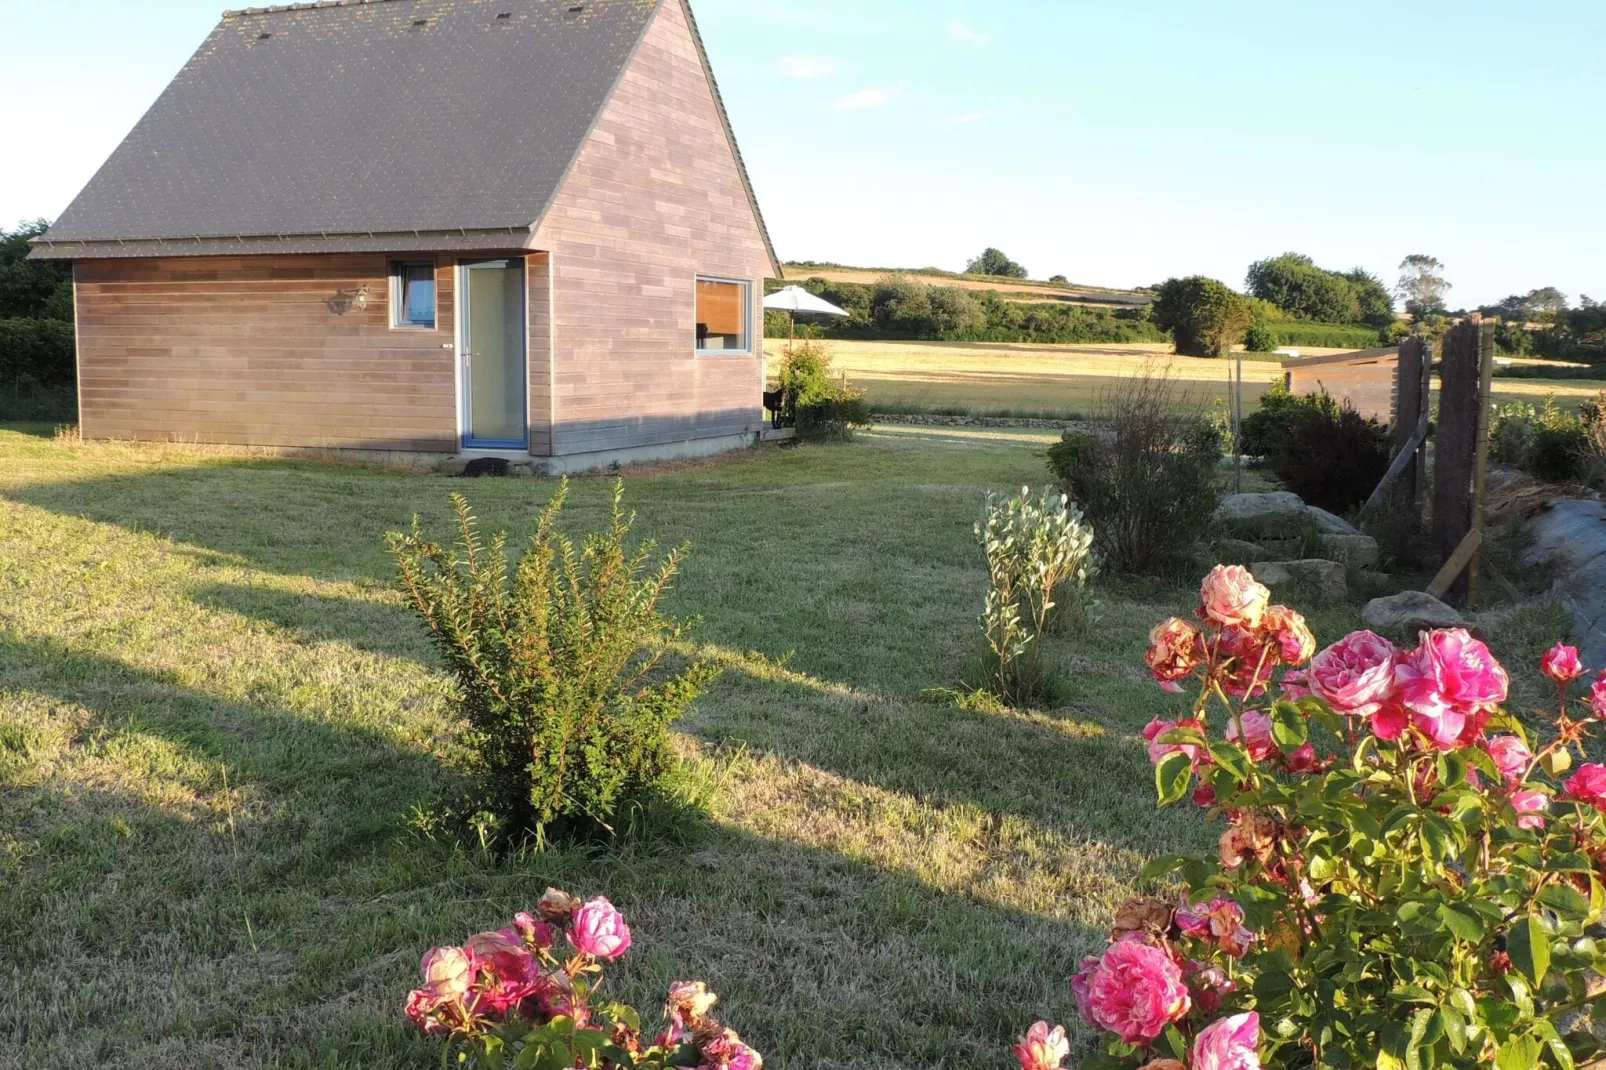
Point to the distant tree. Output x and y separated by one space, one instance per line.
955 311
994 262
1549 300
1206 317
32 289
1422 285
1304 291
1372 298
1059 280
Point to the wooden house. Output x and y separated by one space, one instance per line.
512 228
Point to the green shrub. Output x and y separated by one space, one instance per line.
559 668
828 406
1039 561
1205 317
1147 477
1547 441
1261 337
1327 335
1327 453
1268 424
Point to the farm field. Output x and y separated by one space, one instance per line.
218 724
1025 379
1022 290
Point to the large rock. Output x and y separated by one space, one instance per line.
1571 536
1356 551
1410 609
1277 515
1326 578
1242 552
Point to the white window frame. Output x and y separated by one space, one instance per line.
747 317
398 295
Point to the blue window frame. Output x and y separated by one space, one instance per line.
412 288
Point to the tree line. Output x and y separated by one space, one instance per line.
37 350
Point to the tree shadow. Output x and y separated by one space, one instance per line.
375 627
154 917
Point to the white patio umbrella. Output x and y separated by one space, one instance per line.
795 299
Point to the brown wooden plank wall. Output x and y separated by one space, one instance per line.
249 351
654 200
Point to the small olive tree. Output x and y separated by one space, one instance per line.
1039 562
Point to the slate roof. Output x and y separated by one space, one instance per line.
361 125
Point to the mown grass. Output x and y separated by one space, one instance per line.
887 880
219 726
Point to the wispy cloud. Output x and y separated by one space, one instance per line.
878 97
809 67
965 35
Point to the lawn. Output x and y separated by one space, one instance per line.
1023 379
219 727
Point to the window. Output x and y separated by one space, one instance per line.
724 316
412 288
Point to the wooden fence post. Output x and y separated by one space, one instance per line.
1456 444
1480 468
1410 402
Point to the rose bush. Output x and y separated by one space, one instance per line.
1407 877
513 998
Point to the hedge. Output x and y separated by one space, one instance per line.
36 353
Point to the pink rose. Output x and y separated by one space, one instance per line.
1450 672
1209 985
1257 734
1158 751
1511 756
1588 786
1043 1048
1303 760
1295 685
449 971
599 930
1597 697
1220 922
727 1052
1230 1044
1292 636
1136 991
1390 721
1233 598
1176 650
1079 986
1531 807
533 931
422 1003
1355 675
1561 663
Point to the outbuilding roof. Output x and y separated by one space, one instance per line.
362 125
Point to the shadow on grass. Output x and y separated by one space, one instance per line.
152 919
375 627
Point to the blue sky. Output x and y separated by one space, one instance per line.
1117 144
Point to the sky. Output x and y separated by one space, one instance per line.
1118 144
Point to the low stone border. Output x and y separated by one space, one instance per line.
920 420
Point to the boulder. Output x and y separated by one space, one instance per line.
1328 523
1571 536
1239 551
1410 609
1275 515
1326 578
1356 551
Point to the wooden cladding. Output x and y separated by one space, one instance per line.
291 351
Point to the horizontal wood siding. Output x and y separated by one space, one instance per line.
538 275
655 199
250 351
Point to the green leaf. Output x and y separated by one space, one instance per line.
1234 759
1529 949
1160 867
1463 923
1559 1052
1455 1028
1288 727
1518 1053
1172 777
1565 900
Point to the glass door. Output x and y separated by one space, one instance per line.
495 386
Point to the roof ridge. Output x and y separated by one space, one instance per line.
310 5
